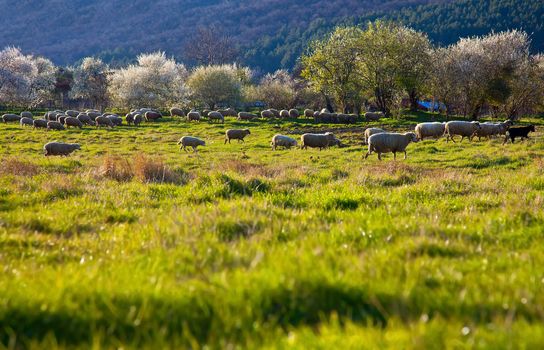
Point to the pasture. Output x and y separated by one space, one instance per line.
131 243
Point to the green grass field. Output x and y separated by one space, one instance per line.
130 243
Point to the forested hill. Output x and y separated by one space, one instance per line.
444 22
66 30
272 33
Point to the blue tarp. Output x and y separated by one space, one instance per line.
430 106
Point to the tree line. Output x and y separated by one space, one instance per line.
385 66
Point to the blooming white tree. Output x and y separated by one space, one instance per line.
496 70
155 81
218 84
25 80
91 82
277 90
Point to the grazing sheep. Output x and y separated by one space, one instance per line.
87 111
26 121
434 129
26 115
309 113
193 115
60 118
275 112
373 116
371 131
71 121
116 120
216 115
246 116
294 113
318 140
10 118
94 115
236 134
60 148
267 114
521 131
390 142
174 111
316 114
39 123
346 118
152 115
190 141
229 112
72 113
284 113
129 117
489 129
103 121
52 125
462 128
283 141
138 119
205 112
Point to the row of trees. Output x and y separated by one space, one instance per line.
385 63
381 65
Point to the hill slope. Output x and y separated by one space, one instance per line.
68 30
273 33
444 22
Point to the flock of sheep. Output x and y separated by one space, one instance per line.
378 140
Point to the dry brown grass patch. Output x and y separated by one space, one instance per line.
14 166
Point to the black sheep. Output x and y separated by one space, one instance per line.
522 132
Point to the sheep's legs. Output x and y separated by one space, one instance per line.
405 155
379 156
394 155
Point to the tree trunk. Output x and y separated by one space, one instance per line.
329 105
413 95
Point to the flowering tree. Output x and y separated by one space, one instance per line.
91 82
155 81
25 80
219 84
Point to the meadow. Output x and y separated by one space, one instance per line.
132 243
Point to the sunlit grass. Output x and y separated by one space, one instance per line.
133 243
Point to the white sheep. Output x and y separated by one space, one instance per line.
284 113
390 142
283 141
53 125
373 116
60 148
462 128
431 129
26 121
294 113
309 113
216 115
371 131
267 114
39 123
193 115
177 112
246 116
236 134
26 114
318 140
190 141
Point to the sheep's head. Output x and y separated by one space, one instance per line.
532 128
247 131
477 125
413 137
202 143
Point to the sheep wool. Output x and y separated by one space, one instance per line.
390 142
